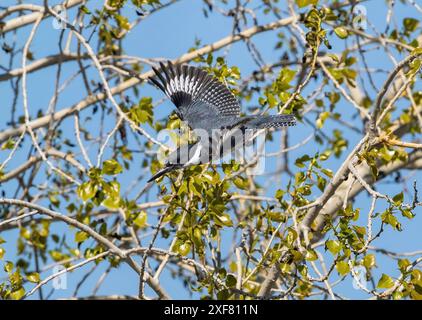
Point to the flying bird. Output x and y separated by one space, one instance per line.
208 106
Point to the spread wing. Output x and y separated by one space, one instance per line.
202 101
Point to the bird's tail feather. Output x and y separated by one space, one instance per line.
162 172
273 121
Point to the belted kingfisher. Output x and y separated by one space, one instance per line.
208 107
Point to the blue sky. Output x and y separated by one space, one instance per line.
170 33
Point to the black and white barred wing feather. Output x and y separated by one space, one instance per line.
201 99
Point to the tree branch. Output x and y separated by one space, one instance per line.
88 101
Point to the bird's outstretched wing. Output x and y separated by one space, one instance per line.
201 99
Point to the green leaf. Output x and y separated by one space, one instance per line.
397 295
407 213
398 199
33 277
333 246
410 24
369 261
197 237
231 280
123 22
25 233
360 231
386 282
87 190
403 265
285 267
15 279
283 81
9 144
112 202
262 101
342 268
321 119
334 57
184 248
84 9
223 220
141 219
8 266
291 236
272 102
143 112
389 218
241 183
327 172
311 255
111 188
111 167
300 161
2 252
305 3
321 183
223 294
81 236
279 194
341 32
56 255
18 294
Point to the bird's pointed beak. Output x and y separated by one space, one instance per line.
162 172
